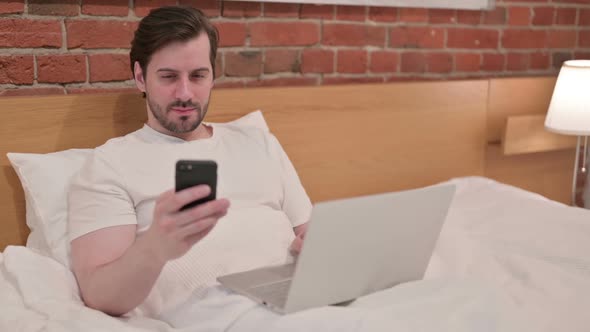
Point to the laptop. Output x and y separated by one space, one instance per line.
353 247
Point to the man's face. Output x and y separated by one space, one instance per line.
178 85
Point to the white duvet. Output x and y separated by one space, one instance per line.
506 260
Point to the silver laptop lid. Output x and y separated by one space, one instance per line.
359 245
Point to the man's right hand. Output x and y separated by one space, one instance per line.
174 232
116 271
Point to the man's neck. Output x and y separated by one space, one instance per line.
201 132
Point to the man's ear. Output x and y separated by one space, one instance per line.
139 77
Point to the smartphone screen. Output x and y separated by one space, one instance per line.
190 173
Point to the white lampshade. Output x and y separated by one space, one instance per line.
569 110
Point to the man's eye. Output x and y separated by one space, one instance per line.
199 76
168 76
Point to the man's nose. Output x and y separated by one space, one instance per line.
183 90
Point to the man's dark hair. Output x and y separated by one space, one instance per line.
166 25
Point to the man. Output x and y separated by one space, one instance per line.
131 247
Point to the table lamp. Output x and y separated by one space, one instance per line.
569 110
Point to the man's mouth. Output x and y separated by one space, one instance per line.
183 110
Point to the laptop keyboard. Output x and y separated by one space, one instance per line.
275 293
283 271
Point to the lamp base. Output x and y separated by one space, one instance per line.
577 168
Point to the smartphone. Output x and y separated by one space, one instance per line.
190 173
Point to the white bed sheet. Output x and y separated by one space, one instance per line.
506 260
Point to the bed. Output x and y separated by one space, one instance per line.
512 255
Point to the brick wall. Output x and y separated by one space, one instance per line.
81 46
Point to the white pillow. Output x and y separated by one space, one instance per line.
253 119
45 179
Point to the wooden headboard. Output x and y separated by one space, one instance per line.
343 140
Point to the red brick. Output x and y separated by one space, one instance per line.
231 33
443 16
105 7
562 38
12 7
565 16
352 61
351 13
439 62
524 39
99 34
283 81
584 38
469 16
383 14
584 17
543 15
325 12
246 63
467 62
17 69
219 64
584 2
472 38
61 68
534 1
109 67
517 61
413 62
496 16
143 7
54 7
560 57
88 91
582 55
540 61
352 80
211 8
277 9
384 61
281 60
241 9
317 61
21 91
413 15
284 33
492 62
30 33
336 34
416 37
519 15
412 79
376 36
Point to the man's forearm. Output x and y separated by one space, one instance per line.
119 286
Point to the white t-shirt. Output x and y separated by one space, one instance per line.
121 181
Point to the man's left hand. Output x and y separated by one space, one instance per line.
297 243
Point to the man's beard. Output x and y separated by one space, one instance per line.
185 125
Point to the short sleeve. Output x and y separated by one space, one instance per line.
296 203
97 198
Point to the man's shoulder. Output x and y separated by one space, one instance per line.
119 154
118 150
252 139
245 133
118 143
